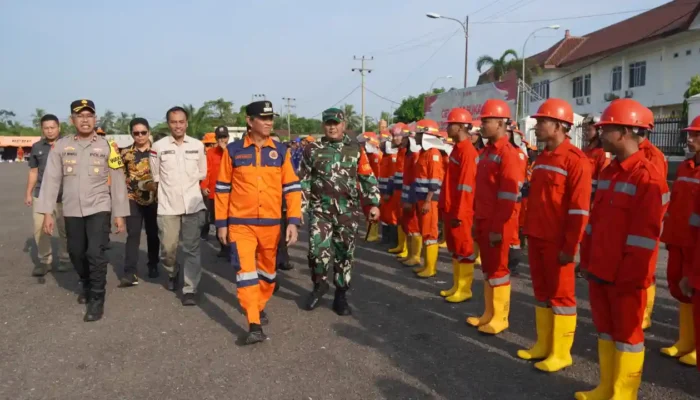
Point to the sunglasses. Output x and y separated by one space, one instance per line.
139 133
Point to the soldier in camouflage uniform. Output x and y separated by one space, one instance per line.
336 181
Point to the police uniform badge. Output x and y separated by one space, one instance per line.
69 169
274 155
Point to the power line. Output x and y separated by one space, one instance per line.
419 45
428 60
382 97
417 38
337 102
485 7
506 10
613 53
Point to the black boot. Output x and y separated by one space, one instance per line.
264 319
385 234
153 272
255 334
84 294
286 266
340 303
95 307
320 288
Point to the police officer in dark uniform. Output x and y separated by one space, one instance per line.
82 164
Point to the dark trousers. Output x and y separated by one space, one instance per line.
141 216
87 241
210 218
282 253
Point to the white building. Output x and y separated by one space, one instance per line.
649 57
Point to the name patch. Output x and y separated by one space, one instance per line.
167 152
191 151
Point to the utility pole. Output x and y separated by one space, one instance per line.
257 96
289 101
466 50
362 71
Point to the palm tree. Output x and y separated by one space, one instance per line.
36 118
121 125
107 121
499 66
200 121
353 122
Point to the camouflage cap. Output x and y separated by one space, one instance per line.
333 114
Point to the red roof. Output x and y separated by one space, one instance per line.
663 21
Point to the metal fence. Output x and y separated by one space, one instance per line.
666 135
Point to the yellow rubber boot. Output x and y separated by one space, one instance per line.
442 244
651 295
686 333
414 255
477 261
455 278
606 364
373 232
431 257
501 310
401 245
464 284
486 317
544 318
628 375
563 329
406 254
690 359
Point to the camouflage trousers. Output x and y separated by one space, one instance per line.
332 240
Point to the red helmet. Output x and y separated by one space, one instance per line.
556 109
649 118
399 129
625 112
370 135
428 126
443 135
694 126
495 108
385 135
476 123
459 116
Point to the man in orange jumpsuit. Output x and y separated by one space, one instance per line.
385 178
560 197
623 243
428 180
457 199
409 218
656 157
399 142
690 284
515 251
371 149
599 159
496 222
679 236
208 185
255 174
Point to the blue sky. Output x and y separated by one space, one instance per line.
145 56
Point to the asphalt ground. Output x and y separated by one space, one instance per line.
402 342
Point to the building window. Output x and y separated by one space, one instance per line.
638 74
542 90
688 52
616 79
587 85
577 87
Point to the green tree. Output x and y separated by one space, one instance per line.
500 66
412 108
693 89
353 121
67 128
386 117
37 116
107 121
200 121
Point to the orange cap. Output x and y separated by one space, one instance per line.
625 112
495 108
459 116
209 138
694 126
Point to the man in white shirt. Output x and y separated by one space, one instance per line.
178 162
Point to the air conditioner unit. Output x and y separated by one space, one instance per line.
588 100
579 101
610 96
629 93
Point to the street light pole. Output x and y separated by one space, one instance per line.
465 27
522 55
437 79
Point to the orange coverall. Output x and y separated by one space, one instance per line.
386 188
498 179
249 190
559 199
599 159
624 240
428 178
677 233
409 220
457 198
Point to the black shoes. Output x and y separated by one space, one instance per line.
264 320
172 283
189 299
95 307
255 335
84 294
320 288
41 270
153 272
340 303
128 281
286 266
